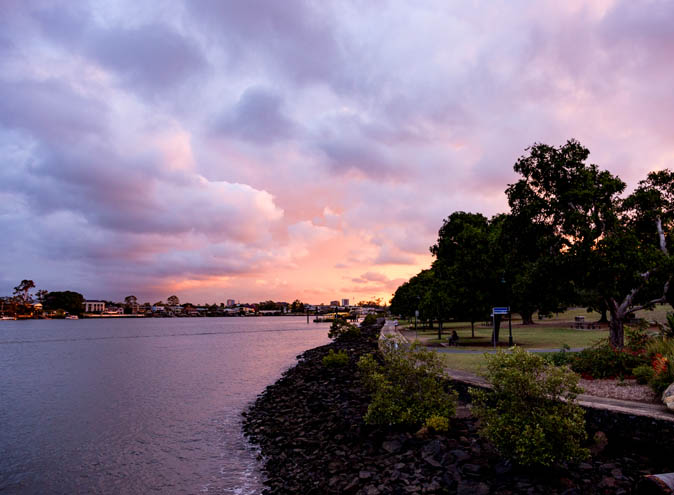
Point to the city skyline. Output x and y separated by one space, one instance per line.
282 150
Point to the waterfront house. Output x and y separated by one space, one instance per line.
94 306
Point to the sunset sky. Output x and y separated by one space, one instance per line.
287 149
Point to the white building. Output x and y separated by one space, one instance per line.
94 306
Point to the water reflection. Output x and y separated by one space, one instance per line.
135 406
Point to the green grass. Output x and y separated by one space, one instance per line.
528 337
473 363
658 313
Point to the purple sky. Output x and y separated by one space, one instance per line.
281 149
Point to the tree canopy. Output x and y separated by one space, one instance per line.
571 237
64 300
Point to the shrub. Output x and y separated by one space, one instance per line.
604 361
437 423
406 387
660 381
335 359
660 352
662 346
560 358
643 373
341 329
636 338
370 319
531 414
667 330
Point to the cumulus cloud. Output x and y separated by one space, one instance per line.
258 116
288 147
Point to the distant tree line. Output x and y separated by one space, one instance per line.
571 238
22 300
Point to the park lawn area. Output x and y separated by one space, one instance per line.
473 363
536 336
659 313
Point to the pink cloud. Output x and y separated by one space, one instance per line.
265 151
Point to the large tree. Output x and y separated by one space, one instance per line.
633 259
22 292
173 301
531 265
407 298
436 302
297 306
614 247
66 300
465 261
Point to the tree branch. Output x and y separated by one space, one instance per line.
661 235
660 299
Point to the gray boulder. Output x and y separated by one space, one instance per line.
668 397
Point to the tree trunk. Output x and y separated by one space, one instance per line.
472 329
439 329
430 323
604 316
527 317
616 326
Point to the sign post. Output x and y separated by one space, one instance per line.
416 315
496 315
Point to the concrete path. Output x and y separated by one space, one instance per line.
657 411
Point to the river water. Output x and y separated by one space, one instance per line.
137 405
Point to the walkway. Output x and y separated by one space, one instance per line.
657 411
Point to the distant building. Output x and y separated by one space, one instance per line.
230 303
345 302
94 306
334 303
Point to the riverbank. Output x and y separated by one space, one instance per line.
312 438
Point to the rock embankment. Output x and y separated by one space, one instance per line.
310 430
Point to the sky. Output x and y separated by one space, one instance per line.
256 150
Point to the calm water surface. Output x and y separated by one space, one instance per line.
137 406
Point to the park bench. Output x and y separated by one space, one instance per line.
579 322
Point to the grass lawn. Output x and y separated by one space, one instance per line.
658 314
524 336
473 363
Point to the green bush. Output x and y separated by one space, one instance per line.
660 352
406 386
343 330
560 358
604 361
335 359
661 381
662 346
531 414
637 337
643 373
437 423
667 330
370 319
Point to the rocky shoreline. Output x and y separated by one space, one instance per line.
310 431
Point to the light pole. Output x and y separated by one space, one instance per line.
510 314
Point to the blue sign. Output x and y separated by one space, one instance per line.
501 311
